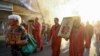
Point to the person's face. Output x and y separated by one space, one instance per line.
56 21
76 22
12 22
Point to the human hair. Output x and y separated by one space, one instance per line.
16 18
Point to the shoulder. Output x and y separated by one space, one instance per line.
37 24
53 26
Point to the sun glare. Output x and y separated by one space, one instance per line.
88 10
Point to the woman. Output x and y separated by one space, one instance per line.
16 35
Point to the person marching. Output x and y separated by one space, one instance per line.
36 31
78 36
56 40
15 37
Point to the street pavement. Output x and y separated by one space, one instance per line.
5 51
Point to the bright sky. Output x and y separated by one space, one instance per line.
89 10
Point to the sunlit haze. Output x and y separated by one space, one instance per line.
88 10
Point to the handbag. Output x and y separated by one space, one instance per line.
31 46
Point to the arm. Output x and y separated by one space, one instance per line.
23 37
6 40
86 39
33 27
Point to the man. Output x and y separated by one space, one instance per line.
77 38
56 41
37 33
90 31
15 36
97 33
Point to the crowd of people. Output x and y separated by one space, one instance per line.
79 39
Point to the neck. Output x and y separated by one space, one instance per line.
36 21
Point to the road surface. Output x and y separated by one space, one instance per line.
5 51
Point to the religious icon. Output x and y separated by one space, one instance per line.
66 27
